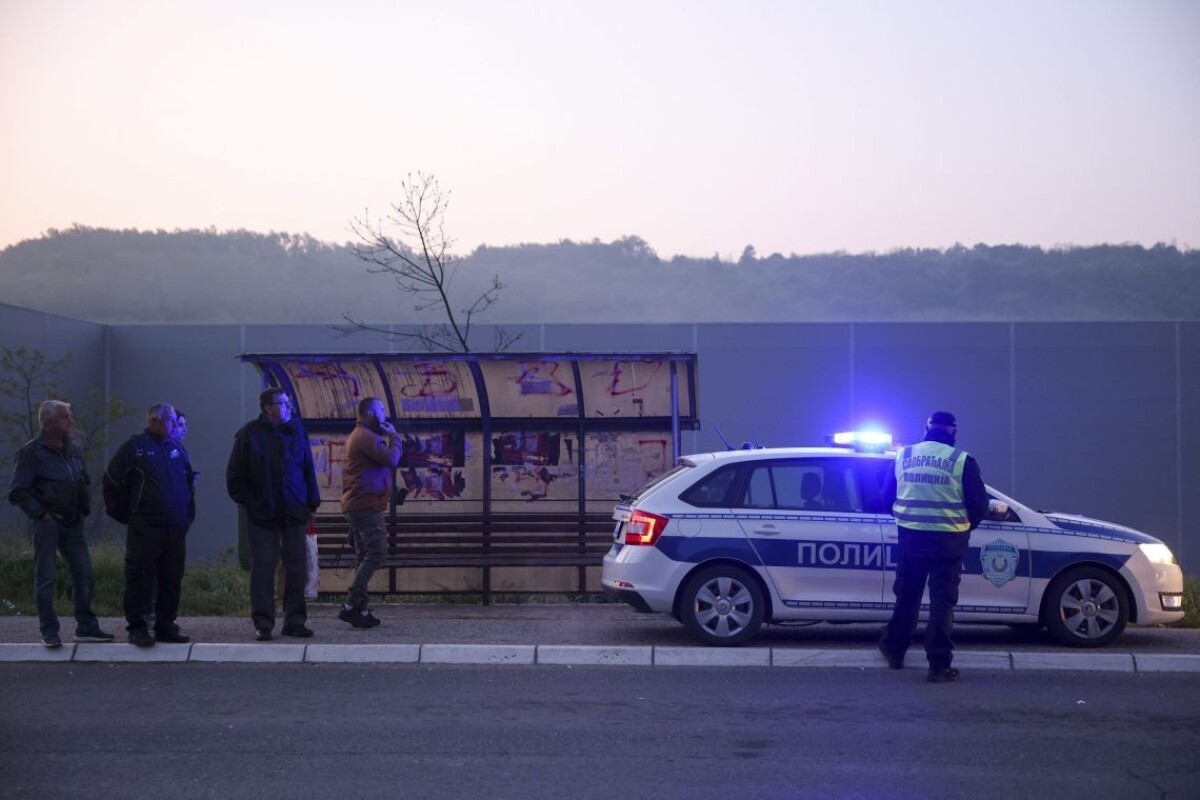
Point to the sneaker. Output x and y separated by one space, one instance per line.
893 661
358 618
262 634
299 631
140 637
51 641
93 636
942 675
172 637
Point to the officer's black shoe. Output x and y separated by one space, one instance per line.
140 637
299 631
173 637
893 661
262 634
942 675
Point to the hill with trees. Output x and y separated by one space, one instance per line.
190 276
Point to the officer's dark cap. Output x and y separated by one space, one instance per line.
942 418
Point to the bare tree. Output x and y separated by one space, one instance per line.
419 260
27 377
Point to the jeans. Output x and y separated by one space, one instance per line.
936 558
369 536
50 535
266 547
154 562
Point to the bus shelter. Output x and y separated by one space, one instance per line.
512 462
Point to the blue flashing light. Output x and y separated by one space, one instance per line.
870 441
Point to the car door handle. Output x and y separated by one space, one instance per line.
768 530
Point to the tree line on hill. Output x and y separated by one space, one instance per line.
206 276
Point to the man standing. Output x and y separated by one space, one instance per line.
271 476
50 484
372 453
148 486
938 498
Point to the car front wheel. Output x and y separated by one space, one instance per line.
1085 607
722 606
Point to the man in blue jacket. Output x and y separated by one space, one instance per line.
271 475
50 484
148 486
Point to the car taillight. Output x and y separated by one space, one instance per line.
644 528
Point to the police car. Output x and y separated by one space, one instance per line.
728 541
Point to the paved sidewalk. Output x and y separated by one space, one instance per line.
590 634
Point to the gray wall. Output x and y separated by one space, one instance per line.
1101 419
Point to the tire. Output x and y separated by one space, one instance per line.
1085 607
722 606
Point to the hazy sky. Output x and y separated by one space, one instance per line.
797 127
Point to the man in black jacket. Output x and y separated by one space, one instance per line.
50 483
148 486
271 476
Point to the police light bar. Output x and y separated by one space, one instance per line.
871 441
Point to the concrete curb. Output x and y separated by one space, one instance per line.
568 655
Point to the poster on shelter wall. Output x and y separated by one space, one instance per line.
624 389
332 389
432 389
441 465
619 462
435 465
535 465
532 388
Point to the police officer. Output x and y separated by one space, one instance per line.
938 498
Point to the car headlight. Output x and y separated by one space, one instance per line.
1158 553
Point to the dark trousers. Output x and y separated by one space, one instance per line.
154 561
368 534
49 536
934 558
267 546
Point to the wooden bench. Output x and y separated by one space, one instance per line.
476 542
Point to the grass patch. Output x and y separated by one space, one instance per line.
208 589
1191 603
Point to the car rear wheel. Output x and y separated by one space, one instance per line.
1085 607
722 606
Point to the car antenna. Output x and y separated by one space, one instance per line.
717 428
757 443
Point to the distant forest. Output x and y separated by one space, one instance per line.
242 277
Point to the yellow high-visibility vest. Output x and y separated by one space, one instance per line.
929 488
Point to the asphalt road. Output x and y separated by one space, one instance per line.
410 731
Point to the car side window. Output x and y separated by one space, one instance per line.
803 485
713 490
759 492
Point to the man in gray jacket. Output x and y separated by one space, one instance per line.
50 483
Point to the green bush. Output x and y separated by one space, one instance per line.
1191 603
208 589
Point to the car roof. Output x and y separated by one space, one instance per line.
764 453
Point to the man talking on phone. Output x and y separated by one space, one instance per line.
372 454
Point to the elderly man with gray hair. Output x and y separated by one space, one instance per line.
148 485
50 484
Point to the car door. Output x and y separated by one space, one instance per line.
996 568
806 520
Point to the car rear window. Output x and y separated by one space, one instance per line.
645 488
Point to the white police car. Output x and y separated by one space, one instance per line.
728 541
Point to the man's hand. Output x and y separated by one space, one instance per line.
387 427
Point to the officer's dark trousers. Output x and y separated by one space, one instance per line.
154 556
267 546
936 558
